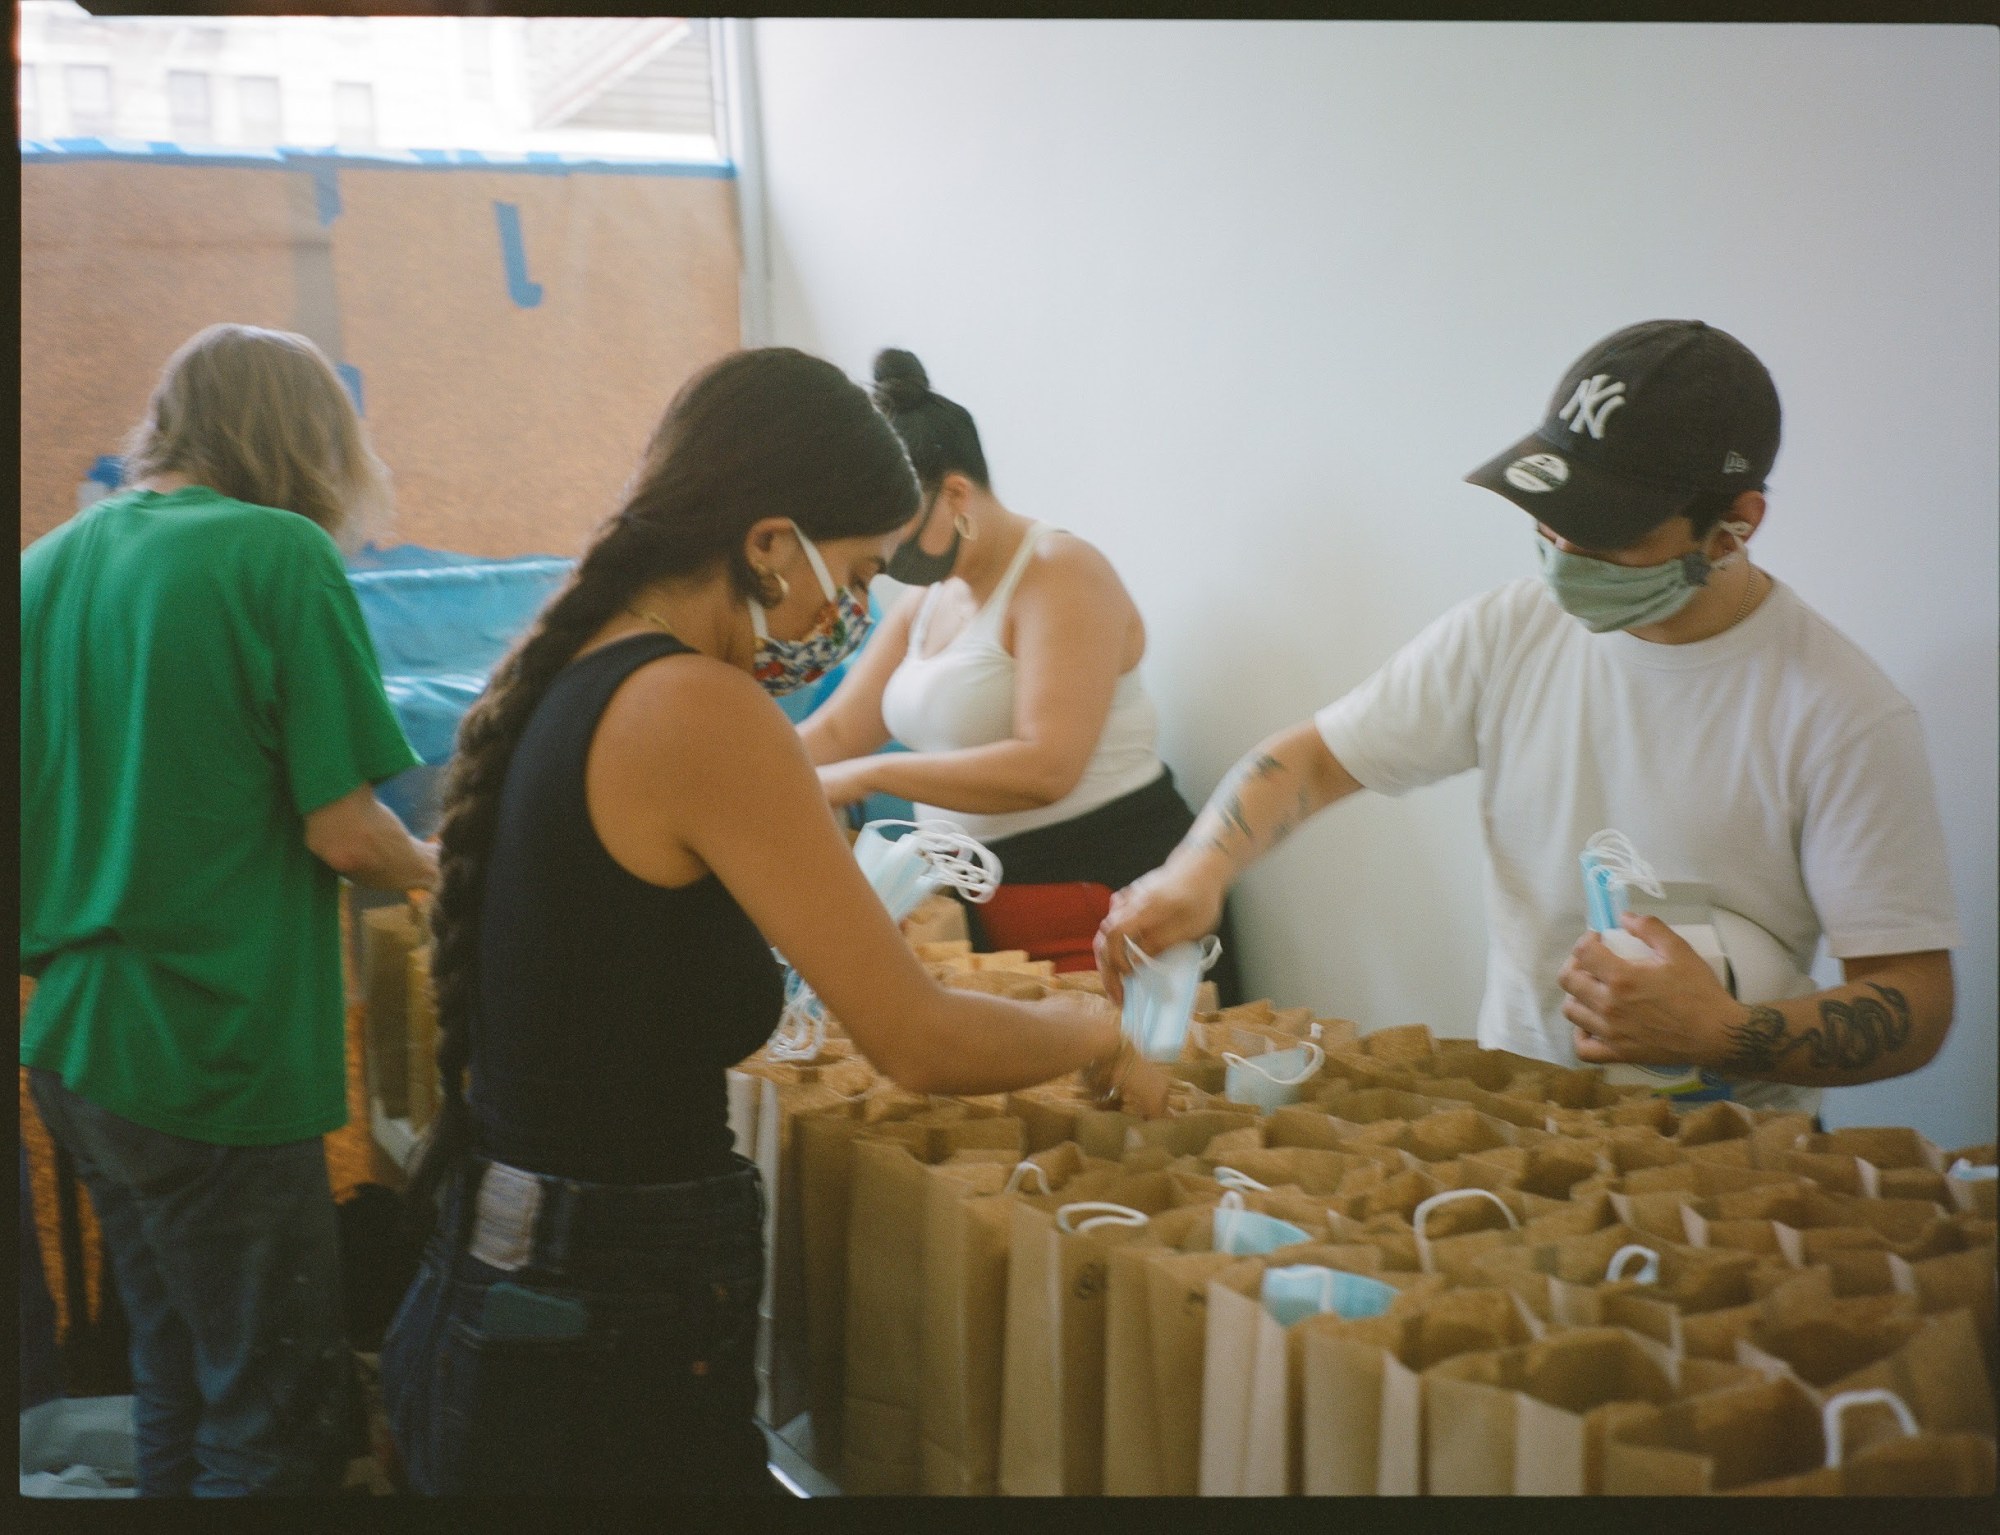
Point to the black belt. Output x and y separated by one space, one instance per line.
511 1218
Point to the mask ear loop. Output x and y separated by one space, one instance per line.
1318 1058
1237 1182
1649 1265
1420 1218
1113 1215
959 860
955 857
1740 531
819 570
801 1031
1619 859
1832 1417
1016 1178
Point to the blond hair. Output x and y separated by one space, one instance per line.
261 415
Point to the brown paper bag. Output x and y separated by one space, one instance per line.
1904 1461
1934 1363
1156 1301
420 1020
1773 1439
388 935
1717 1442
1531 1419
885 1289
1052 1392
1361 1424
825 1147
966 1231
1252 1392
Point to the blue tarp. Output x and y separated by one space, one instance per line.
441 621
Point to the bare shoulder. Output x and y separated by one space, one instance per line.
1065 564
683 714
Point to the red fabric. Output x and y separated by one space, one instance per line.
1052 922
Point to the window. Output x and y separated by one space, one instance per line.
638 88
260 117
475 41
353 115
88 87
190 110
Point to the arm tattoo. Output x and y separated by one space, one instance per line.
1851 1036
1229 809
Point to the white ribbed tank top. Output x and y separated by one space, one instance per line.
964 696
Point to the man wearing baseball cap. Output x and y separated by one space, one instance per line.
1654 682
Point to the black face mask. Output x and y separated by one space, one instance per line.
913 567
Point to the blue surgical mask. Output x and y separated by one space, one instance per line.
1243 1231
1603 596
1272 1080
1160 994
1299 1290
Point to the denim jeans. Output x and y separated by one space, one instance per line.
227 1261
618 1357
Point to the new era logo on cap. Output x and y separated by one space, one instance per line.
1537 473
1735 463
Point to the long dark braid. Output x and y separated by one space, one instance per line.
771 432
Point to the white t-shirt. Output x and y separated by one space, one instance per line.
1773 762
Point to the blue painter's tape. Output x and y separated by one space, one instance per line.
351 377
524 293
537 162
326 193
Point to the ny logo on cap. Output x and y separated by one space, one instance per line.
1596 397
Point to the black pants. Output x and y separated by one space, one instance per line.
1113 845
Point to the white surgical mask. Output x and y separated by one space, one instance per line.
931 855
1160 994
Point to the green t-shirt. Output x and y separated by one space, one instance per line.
196 678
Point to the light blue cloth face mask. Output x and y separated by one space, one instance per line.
1602 596
1244 1232
1300 1290
934 853
1160 993
1272 1080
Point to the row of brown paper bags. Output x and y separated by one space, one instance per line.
923 1359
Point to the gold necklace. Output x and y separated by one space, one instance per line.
1743 607
646 616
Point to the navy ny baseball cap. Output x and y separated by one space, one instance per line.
1643 423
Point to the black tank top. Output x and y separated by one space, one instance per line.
608 1007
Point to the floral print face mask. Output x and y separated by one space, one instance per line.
785 666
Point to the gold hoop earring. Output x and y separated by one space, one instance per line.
784 588
962 526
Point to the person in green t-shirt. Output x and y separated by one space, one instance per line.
202 725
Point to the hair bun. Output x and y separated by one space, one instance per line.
900 381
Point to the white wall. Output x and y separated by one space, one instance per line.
1241 302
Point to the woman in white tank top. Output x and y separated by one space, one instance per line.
1011 672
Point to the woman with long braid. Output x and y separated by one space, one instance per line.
630 826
